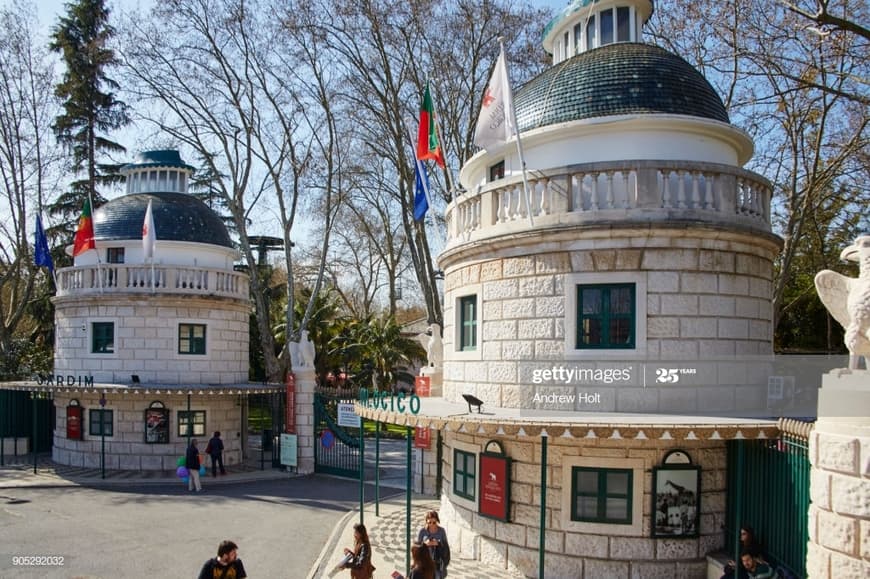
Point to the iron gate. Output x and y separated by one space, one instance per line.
336 448
768 489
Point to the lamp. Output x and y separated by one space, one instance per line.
473 401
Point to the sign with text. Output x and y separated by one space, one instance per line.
346 415
422 437
495 484
422 385
289 449
74 422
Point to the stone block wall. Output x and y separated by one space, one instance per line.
425 469
585 551
146 339
839 516
126 449
701 296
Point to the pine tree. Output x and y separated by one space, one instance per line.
90 109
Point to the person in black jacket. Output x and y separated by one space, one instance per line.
226 565
215 450
191 462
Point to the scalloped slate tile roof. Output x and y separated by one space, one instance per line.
177 217
617 79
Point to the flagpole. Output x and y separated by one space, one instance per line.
517 133
449 170
94 230
417 161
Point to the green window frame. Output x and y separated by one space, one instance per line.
103 338
468 323
95 428
606 316
184 419
191 339
464 474
602 495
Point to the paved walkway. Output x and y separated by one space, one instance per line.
387 535
18 472
387 531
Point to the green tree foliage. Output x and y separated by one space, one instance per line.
90 109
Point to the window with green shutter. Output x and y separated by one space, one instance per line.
464 474
103 338
468 323
191 338
601 495
606 316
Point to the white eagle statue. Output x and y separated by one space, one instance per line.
848 299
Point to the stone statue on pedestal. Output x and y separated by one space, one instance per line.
302 353
434 346
848 299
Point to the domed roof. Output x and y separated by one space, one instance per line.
624 78
177 217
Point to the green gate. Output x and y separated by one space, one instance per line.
19 413
769 490
336 448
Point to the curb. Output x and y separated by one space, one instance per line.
330 545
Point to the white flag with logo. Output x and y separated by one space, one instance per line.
496 123
149 235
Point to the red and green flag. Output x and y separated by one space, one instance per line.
84 239
428 146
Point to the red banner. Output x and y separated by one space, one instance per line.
422 438
74 422
494 486
422 385
290 405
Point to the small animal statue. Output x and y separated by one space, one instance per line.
434 347
848 299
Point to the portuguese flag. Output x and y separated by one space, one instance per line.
427 135
84 239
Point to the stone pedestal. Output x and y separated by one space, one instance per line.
436 380
839 515
305 419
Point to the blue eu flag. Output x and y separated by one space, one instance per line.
42 256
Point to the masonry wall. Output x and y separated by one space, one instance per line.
702 295
146 339
571 551
839 515
127 450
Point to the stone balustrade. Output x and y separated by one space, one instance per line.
141 279
630 192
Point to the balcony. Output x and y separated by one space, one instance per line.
628 193
138 279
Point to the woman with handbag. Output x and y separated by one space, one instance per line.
360 564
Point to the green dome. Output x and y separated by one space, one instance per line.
617 79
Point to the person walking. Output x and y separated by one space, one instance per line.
226 565
191 462
360 564
434 536
215 449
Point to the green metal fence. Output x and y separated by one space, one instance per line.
769 490
17 414
336 448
